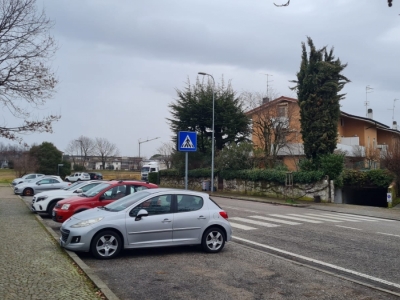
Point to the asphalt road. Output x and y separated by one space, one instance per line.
282 261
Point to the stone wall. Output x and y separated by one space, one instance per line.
259 188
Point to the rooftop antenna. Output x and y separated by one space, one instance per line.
394 103
268 82
368 90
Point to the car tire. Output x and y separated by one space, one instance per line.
213 240
79 179
51 207
106 244
27 192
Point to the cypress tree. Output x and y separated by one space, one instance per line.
318 86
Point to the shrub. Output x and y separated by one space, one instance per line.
154 177
378 178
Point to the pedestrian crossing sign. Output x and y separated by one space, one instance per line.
187 141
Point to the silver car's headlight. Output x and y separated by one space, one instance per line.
87 222
65 206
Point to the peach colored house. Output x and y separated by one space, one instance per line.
357 136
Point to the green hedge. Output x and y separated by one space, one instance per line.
269 175
154 177
372 178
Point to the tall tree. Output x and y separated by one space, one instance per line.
83 147
26 49
104 149
47 156
192 111
318 85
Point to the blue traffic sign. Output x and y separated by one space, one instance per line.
187 141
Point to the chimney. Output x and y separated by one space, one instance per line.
394 125
370 113
265 100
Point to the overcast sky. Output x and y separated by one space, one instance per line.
120 61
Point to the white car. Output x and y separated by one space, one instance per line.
77 177
25 178
44 202
40 184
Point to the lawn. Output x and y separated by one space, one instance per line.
7 175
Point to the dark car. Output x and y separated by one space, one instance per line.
96 176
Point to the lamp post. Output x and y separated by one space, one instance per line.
212 129
58 168
81 147
148 140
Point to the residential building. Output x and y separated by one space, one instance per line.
276 130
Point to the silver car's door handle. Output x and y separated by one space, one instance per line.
166 221
201 217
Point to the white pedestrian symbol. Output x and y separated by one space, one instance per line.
187 143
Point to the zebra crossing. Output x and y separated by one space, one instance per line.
253 222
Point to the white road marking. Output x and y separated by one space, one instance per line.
316 218
351 218
334 218
241 209
275 220
240 226
389 234
295 218
321 263
367 217
348 227
254 222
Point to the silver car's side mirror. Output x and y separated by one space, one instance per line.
141 213
79 191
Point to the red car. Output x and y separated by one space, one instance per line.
100 195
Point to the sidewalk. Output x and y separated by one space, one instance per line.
32 264
371 211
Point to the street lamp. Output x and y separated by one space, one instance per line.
81 147
212 128
58 168
145 142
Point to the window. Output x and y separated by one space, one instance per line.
282 110
140 188
154 206
189 203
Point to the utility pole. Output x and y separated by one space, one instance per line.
368 90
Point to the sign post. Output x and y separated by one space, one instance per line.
187 142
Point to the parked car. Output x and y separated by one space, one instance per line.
25 178
40 184
96 176
77 177
44 202
101 195
150 218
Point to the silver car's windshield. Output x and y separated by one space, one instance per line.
127 201
97 189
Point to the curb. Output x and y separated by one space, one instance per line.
84 267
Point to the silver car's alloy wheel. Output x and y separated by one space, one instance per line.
213 240
106 244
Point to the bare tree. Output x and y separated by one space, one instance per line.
288 2
271 124
166 150
25 163
25 76
82 147
390 158
105 149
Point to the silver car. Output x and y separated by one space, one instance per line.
149 218
25 178
40 184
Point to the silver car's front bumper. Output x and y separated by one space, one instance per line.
84 234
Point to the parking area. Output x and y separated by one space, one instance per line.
238 272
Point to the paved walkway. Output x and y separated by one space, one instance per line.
32 264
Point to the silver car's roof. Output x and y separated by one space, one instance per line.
175 191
